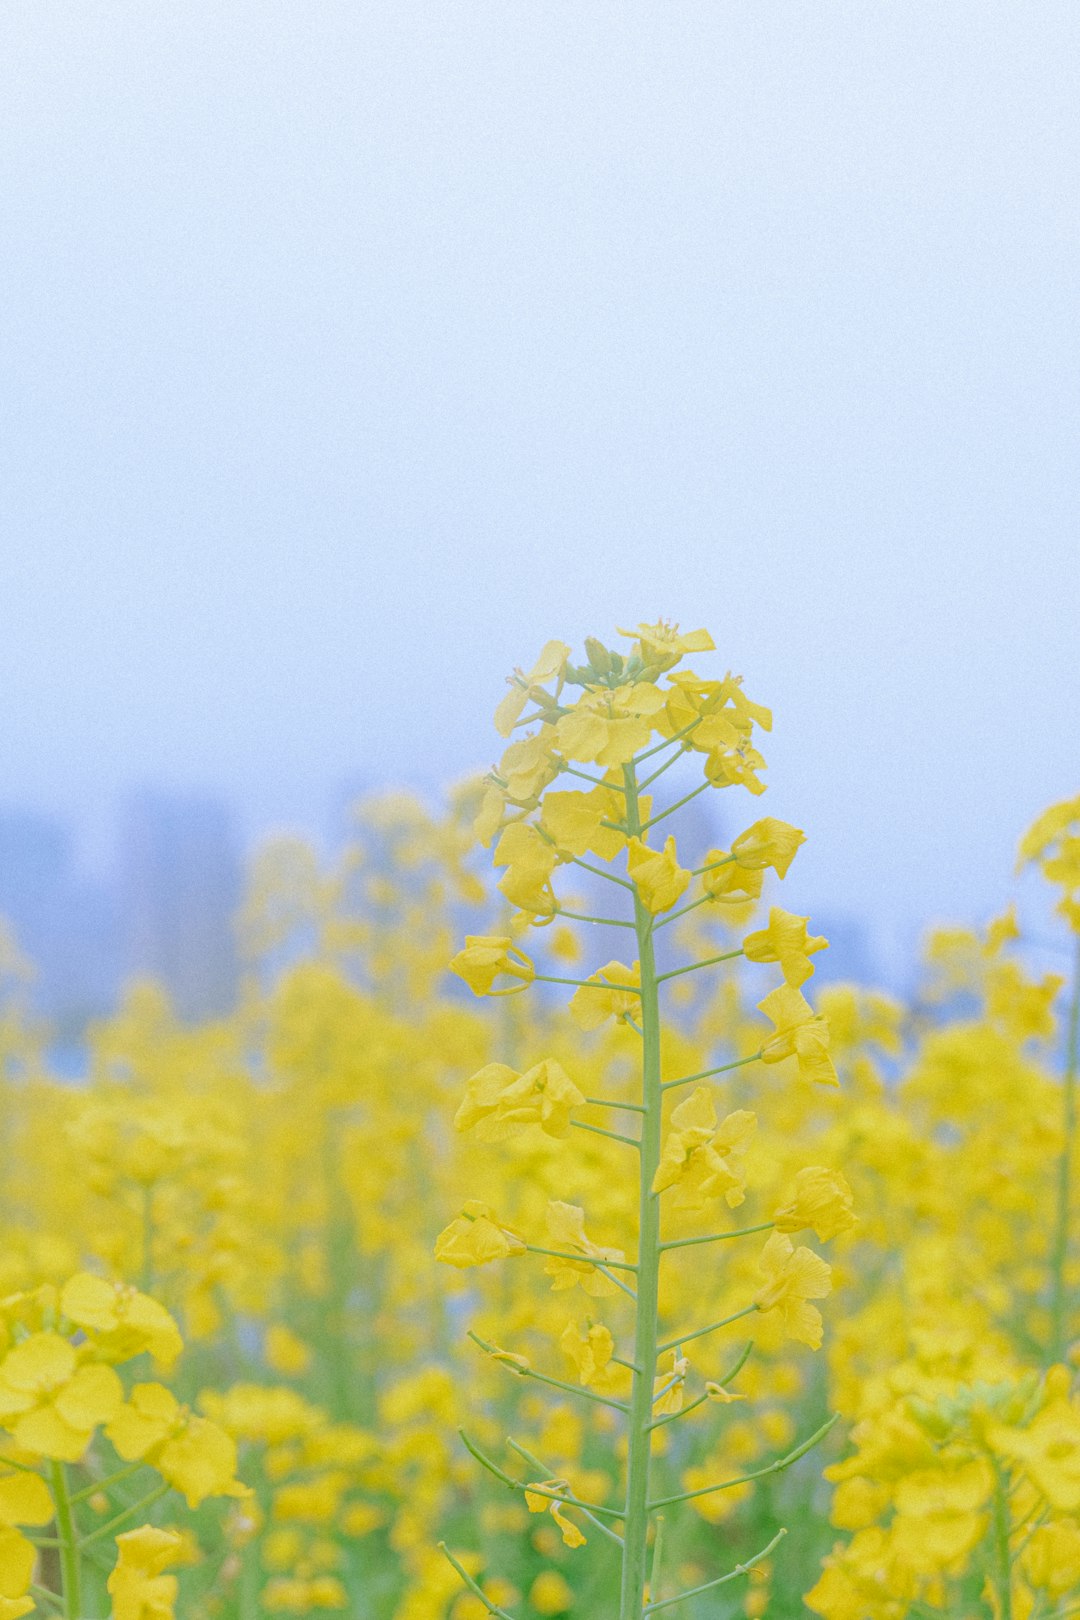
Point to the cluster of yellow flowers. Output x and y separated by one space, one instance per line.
576 1193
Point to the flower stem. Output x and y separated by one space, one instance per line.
67 1533
636 1527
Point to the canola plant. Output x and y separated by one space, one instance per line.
430 1295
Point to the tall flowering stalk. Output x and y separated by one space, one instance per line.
614 726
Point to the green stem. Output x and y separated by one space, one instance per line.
707 1074
136 1507
1059 1300
608 1102
671 809
716 1237
537 1490
776 1467
721 1580
699 1333
692 967
636 1527
553 1383
1001 1545
587 1259
545 1471
68 1535
598 1130
580 916
474 1587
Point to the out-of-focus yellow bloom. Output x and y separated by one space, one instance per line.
611 992
659 878
703 1159
285 1352
138 1587
566 1229
821 1199
190 1452
550 1594
500 1103
794 1277
485 957
475 1238
786 941
800 1033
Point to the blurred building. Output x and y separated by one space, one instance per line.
65 924
181 883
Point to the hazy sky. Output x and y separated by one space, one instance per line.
352 350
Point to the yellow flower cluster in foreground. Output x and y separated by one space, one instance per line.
565 1283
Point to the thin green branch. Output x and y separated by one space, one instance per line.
692 967
579 916
544 1378
571 770
707 1074
699 1333
136 1507
474 1587
598 1130
673 916
671 809
669 1417
598 871
699 871
721 1580
546 1472
587 984
608 1102
536 1490
108 1482
581 1259
729 1377
776 1467
715 1237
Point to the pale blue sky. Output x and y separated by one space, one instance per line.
351 350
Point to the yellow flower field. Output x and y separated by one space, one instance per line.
536 1239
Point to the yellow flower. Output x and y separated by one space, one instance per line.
49 1401
822 1200
576 822
1046 830
548 667
485 957
608 727
1051 1558
527 767
566 1228
794 1276
530 861
786 941
500 1103
536 1503
768 843
661 645
657 875
703 1159
939 1515
725 880
17 1559
137 1586
1049 1448
668 1385
474 1239
799 1033
118 1320
591 1354
612 992
191 1453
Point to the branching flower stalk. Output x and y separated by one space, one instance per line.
630 728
